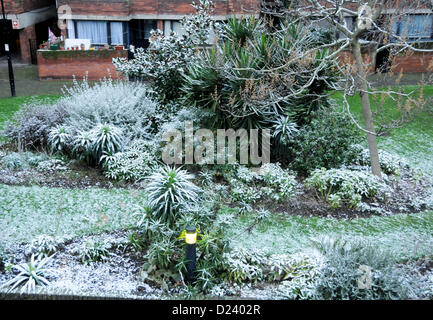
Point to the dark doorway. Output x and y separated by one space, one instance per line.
33 49
383 61
139 32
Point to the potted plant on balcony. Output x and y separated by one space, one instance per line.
118 47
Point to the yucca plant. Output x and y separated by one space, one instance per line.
31 274
168 189
254 76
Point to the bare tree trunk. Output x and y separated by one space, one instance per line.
366 110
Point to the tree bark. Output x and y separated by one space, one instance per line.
361 77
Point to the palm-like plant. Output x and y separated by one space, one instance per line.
31 274
168 189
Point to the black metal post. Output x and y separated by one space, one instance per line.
8 52
190 258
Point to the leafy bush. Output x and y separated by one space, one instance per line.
134 164
125 105
389 163
168 189
94 251
51 165
271 180
168 55
14 161
336 185
347 264
43 246
31 274
241 265
31 125
324 143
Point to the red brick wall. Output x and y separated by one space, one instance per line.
346 58
20 6
179 7
415 63
63 65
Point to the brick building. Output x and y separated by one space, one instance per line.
27 24
130 22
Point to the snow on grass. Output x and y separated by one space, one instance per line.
26 212
409 236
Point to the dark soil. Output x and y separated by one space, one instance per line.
119 276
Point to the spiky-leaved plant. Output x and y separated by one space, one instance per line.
58 138
31 274
168 189
105 139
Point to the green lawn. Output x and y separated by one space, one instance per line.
408 236
26 212
8 106
414 140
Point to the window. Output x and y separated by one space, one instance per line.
99 32
96 31
415 26
116 31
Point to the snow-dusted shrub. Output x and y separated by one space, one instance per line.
168 55
389 163
359 270
325 142
43 246
281 180
135 163
51 165
94 251
240 191
105 140
35 159
350 186
299 274
125 105
244 265
270 180
14 161
98 144
30 126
